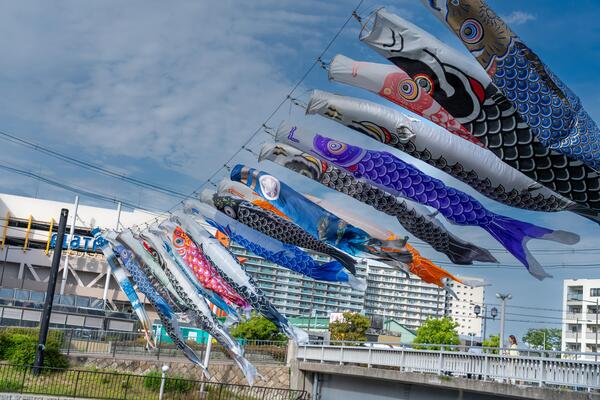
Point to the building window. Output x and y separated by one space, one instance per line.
595 292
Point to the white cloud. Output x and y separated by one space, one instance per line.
518 18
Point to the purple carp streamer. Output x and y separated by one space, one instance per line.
473 165
554 113
389 172
459 84
414 218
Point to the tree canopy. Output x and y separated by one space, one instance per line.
257 328
535 338
437 331
492 341
353 327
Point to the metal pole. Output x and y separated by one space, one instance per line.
65 274
165 368
45 322
484 323
107 282
503 298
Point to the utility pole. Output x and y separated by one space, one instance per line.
108 273
45 322
503 298
65 274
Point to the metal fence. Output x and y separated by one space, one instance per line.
121 344
117 386
540 370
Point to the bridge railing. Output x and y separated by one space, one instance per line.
523 352
541 371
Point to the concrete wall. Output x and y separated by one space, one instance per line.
275 376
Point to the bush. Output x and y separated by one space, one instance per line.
176 383
8 385
19 349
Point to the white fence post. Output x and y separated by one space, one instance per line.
322 353
440 363
486 363
342 354
541 372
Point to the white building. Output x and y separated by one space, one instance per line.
461 309
27 238
580 315
300 296
408 301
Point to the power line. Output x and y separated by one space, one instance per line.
73 188
90 166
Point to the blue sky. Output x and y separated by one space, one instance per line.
167 92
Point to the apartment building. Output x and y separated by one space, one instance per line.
581 298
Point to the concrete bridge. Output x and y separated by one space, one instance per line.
360 373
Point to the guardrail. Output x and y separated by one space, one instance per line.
541 371
116 386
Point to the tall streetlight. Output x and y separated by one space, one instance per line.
503 298
493 312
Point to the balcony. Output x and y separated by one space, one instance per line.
574 316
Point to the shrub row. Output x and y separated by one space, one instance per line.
18 345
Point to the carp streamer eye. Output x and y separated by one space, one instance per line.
336 147
269 186
179 241
408 89
424 82
471 31
230 212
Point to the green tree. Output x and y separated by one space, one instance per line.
544 338
437 331
257 328
492 341
352 327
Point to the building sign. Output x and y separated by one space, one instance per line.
78 243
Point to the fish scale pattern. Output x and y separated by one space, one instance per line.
275 226
158 302
560 124
521 199
502 131
418 224
162 291
384 169
195 259
256 300
292 258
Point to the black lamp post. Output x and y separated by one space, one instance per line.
493 312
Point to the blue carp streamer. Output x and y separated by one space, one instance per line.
319 222
554 113
283 254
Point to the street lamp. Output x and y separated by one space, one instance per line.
502 297
493 312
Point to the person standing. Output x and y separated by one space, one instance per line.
512 346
